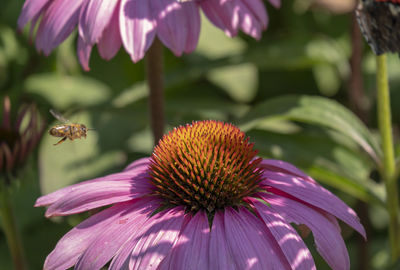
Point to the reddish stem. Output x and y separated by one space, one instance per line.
154 69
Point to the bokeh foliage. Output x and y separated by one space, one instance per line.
289 92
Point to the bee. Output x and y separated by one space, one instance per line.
67 130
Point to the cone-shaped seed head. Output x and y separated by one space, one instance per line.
206 165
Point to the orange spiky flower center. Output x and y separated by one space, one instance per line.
206 165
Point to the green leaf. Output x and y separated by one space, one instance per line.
239 81
327 79
66 91
317 111
325 158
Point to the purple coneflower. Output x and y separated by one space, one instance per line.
203 200
135 24
18 138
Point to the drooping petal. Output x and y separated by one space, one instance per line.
30 10
220 256
275 3
138 167
170 21
110 41
84 49
72 244
326 233
94 17
224 14
138 27
249 242
284 167
118 232
315 195
248 22
157 239
191 249
58 22
175 22
33 26
193 23
292 245
257 8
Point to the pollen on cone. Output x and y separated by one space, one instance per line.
206 165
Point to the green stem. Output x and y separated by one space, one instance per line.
9 226
389 169
154 70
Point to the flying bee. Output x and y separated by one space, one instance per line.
67 130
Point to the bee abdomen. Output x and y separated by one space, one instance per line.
59 131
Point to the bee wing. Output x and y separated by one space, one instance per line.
58 116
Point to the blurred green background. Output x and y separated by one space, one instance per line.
265 87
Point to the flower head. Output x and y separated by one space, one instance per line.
18 138
203 200
135 24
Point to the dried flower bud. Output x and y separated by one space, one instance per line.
379 21
18 138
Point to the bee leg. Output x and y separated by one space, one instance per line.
60 141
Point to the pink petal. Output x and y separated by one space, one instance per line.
95 195
193 23
248 22
115 234
138 28
275 3
326 233
175 21
138 167
156 240
220 256
110 41
315 195
32 27
249 243
94 17
284 167
84 49
30 10
292 245
223 14
58 22
191 249
138 163
257 8
72 244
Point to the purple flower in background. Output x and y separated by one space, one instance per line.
203 200
135 24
